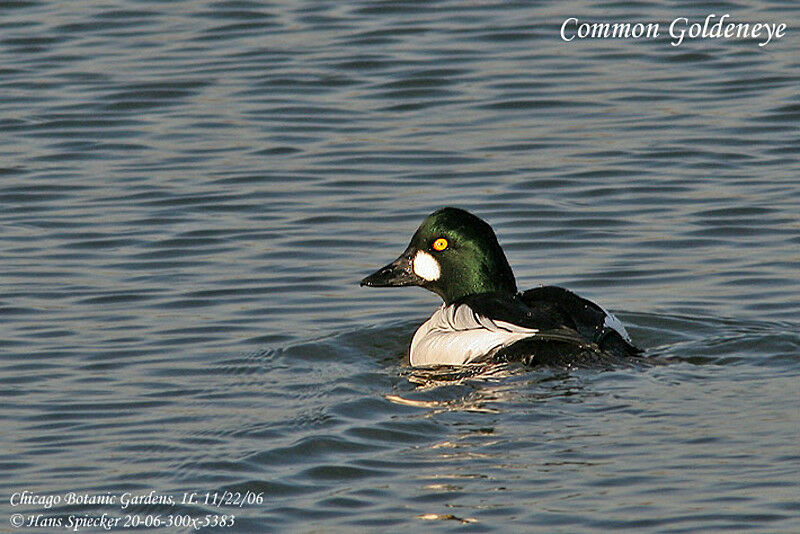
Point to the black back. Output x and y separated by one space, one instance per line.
572 329
580 314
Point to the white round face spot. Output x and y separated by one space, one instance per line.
426 266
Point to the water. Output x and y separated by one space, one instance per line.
191 192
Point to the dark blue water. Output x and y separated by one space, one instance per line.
191 192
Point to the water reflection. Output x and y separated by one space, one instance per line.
480 387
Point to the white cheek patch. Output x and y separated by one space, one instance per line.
426 267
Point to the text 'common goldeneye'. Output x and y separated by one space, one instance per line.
456 255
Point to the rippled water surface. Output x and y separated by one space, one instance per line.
191 192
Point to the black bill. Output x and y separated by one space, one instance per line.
398 273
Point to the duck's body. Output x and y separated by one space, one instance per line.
484 318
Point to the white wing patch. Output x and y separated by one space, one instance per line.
615 324
456 335
426 267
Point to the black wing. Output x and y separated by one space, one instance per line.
584 316
572 330
556 342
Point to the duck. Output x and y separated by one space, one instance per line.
483 317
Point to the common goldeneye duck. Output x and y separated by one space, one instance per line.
483 318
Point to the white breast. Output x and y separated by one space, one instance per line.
456 335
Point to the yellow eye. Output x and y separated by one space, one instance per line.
440 244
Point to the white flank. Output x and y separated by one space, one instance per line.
456 335
426 267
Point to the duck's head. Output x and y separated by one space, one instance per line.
454 254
